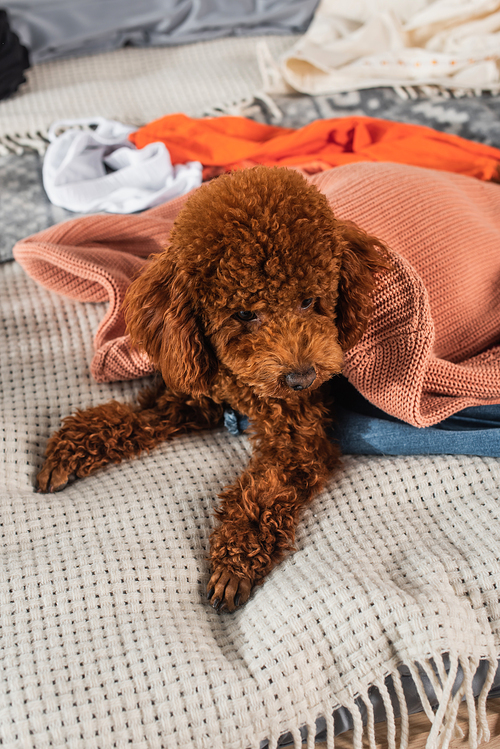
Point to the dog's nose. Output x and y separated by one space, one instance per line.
301 380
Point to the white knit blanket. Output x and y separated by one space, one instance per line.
134 86
106 637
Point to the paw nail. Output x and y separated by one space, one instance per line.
210 593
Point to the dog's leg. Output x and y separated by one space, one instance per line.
116 431
259 513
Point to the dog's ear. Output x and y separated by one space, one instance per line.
161 320
361 257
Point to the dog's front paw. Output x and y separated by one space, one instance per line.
65 458
53 477
75 450
89 440
227 591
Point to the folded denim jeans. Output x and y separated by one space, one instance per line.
363 429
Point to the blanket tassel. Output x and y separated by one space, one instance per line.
444 721
19 144
443 718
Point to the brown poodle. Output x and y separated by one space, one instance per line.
252 305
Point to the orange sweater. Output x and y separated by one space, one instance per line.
225 143
432 346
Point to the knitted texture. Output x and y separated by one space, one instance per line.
107 639
430 349
134 86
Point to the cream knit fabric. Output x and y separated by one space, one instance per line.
452 44
106 637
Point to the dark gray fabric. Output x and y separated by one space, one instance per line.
53 29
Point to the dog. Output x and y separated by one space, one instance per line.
252 306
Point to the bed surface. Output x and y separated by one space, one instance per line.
106 637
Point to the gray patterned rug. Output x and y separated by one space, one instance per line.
25 208
475 118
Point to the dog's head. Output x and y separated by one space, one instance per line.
259 279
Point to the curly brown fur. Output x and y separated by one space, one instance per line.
252 305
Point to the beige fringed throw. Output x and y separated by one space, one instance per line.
107 639
136 85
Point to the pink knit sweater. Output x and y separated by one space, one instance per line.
432 347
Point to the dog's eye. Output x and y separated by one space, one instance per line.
306 303
246 315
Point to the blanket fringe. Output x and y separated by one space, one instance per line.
404 727
370 722
484 731
19 143
330 730
247 107
434 91
389 712
451 678
357 732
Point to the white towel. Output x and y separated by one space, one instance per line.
99 169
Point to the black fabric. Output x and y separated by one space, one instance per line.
14 58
